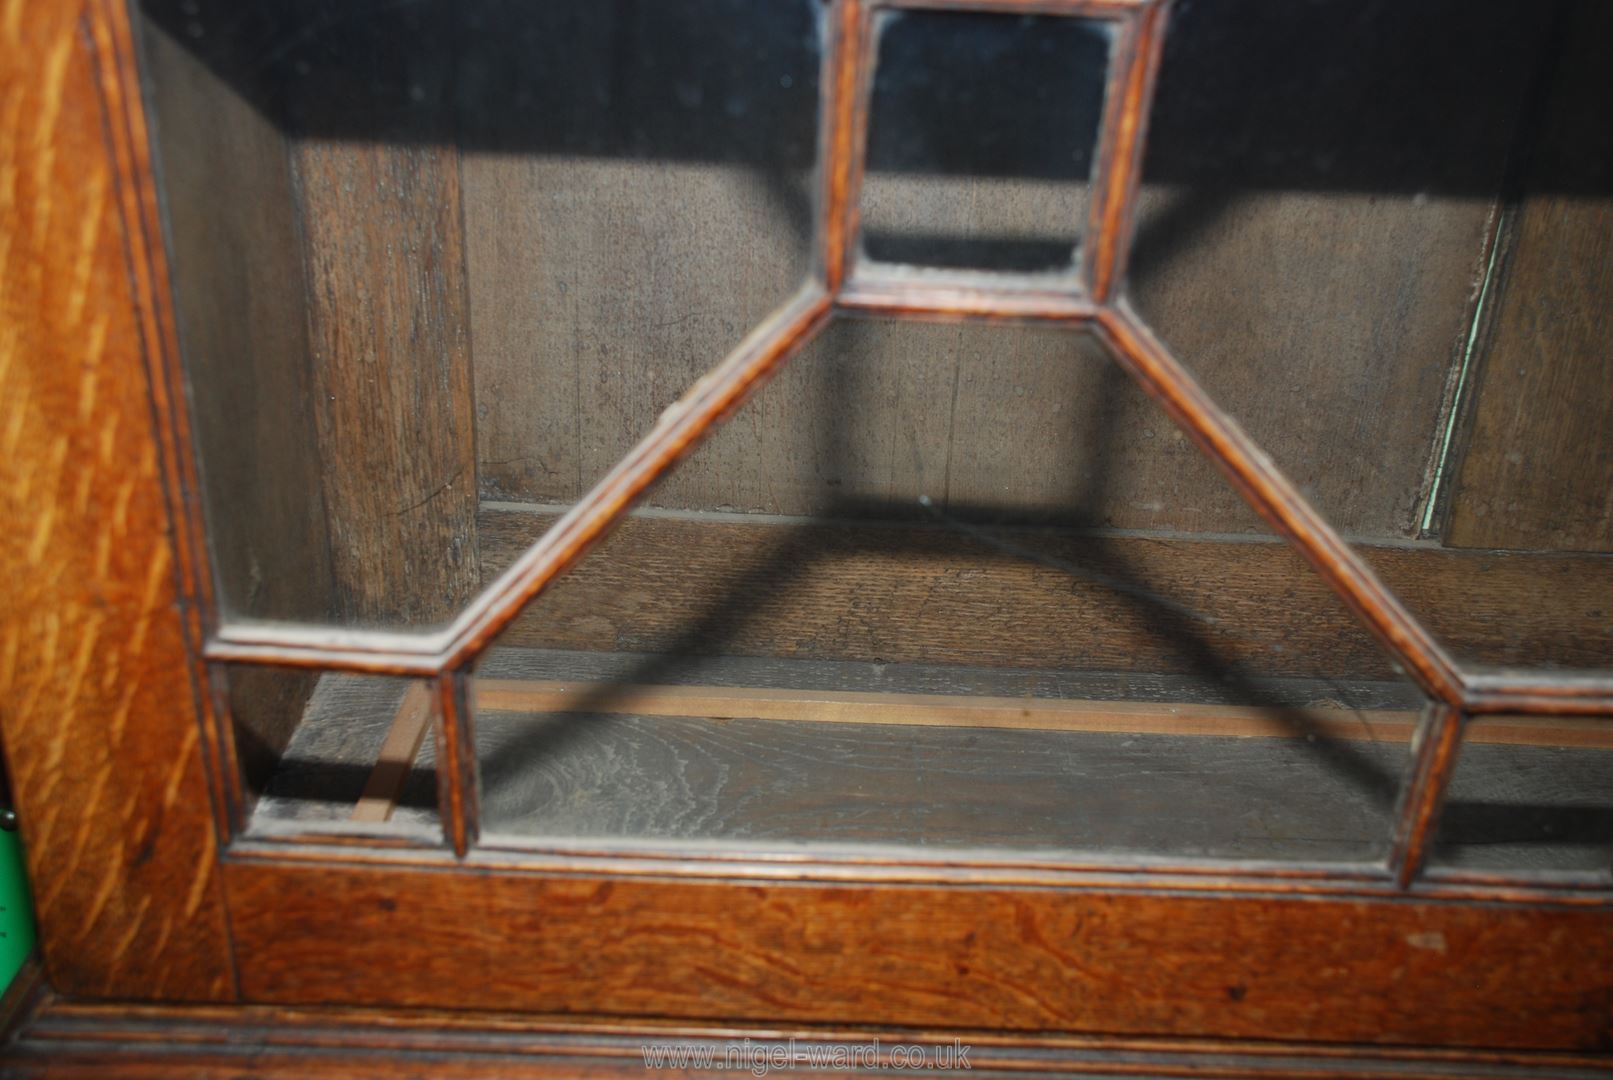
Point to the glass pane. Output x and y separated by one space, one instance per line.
1528 479
1530 793
428 255
981 136
941 588
333 752
1382 237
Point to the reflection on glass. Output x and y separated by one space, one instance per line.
432 255
982 131
1530 793
334 752
939 587
1383 241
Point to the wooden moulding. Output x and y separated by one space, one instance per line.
64 1039
845 116
1119 165
102 738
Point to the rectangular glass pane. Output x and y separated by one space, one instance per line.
981 136
1530 793
334 753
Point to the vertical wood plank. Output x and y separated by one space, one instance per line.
1318 190
528 422
1327 325
1538 472
594 308
391 357
366 103
239 294
637 200
1047 428
99 712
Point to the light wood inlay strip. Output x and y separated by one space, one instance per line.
948 710
942 710
398 753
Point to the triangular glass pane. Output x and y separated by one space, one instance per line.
941 589
1383 244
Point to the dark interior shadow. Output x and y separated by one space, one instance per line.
1485 824
1344 95
1000 254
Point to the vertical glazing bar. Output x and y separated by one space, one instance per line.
457 788
1120 158
844 143
1436 750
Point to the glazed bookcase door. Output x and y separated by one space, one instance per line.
697 511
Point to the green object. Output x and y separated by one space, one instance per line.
16 909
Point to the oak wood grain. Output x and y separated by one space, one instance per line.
1010 959
99 715
388 313
391 360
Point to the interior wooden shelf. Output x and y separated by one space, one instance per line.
576 746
